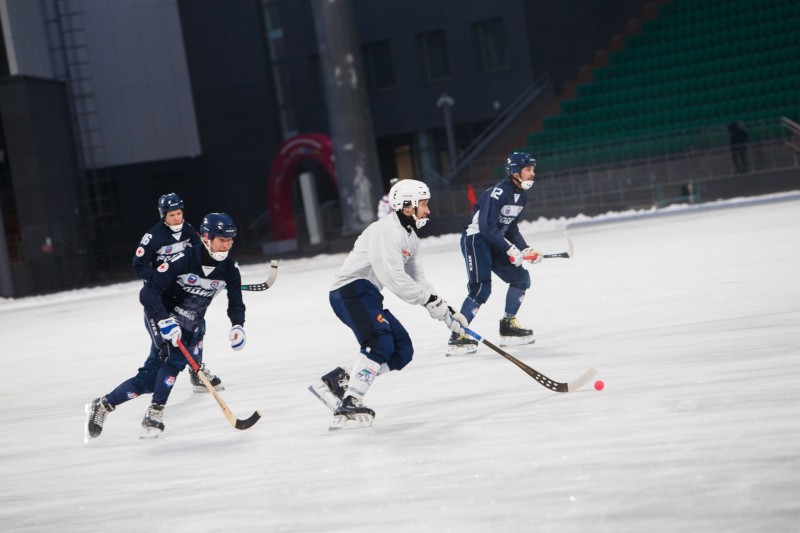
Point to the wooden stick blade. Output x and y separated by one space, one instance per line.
570 249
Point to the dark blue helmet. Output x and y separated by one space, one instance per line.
218 225
517 161
169 202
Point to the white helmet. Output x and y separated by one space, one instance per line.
406 192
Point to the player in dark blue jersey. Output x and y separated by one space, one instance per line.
492 242
175 300
170 236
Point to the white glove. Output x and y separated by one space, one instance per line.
170 330
456 322
532 255
237 337
437 308
515 256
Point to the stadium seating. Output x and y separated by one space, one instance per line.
675 86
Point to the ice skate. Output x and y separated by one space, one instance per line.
351 415
512 334
96 412
197 383
461 345
153 422
331 387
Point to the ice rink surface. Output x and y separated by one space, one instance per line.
692 320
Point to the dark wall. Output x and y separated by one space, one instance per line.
239 135
47 185
564 34
410 105
233 100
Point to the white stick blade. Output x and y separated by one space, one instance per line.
581 381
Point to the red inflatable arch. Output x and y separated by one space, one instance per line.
283 173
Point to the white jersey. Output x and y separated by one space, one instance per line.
387 255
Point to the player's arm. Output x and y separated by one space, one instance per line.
488 219
514 236
163 276
236 307
143 257
385 255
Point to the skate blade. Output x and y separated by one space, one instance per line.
517 341
324 394
460 350
150 433
202 388
361 420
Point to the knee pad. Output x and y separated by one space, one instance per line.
480 292
401 357
145 381
379 347
522 281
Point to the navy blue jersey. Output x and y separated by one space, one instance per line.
184 288
159 244
496 216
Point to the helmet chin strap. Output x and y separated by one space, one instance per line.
524 185
175 228
419 222
216 256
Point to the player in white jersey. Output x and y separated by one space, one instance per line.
386 254
384 207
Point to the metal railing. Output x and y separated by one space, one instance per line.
498 125
687 176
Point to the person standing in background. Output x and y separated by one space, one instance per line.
384 207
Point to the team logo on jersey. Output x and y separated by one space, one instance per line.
163 267
168 250
215 284
191 280
511 210
139 252
406 252
170 381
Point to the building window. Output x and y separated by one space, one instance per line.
490 47
378 65
432 56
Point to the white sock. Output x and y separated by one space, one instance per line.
364 372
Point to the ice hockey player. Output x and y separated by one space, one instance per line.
384 208
175 299
169 237
386 254
492 242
